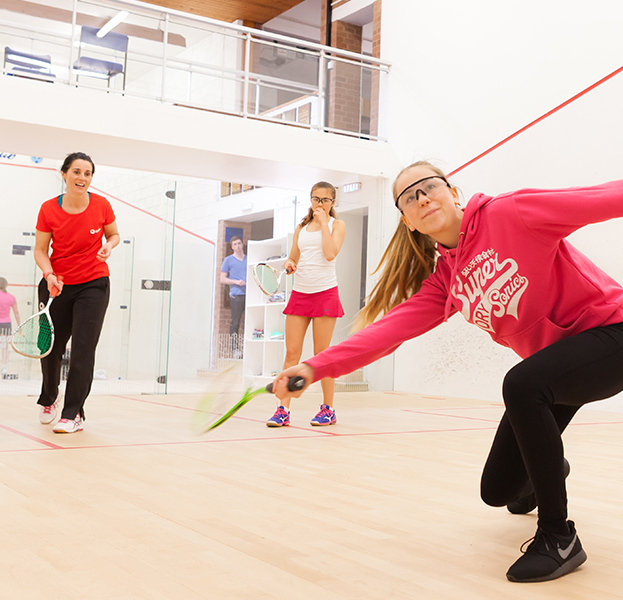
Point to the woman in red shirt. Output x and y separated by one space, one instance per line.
73 224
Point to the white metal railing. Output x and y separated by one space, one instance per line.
202 63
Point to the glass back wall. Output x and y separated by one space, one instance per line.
156 336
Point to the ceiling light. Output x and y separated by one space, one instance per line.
352 187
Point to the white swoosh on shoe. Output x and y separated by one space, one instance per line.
564 554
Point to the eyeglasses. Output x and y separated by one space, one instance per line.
429 186
321 201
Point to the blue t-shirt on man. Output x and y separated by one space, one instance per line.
235 269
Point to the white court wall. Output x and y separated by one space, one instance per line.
466 75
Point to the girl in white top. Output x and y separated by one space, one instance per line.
314 298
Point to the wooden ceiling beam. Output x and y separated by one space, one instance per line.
258 11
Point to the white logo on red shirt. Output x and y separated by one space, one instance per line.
492 288
94 231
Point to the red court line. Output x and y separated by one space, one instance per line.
596 423
370 433
333 433
291 427
191 442
153 215
30 437
455 407
541 118
433 414
238 417
28 450
149 444
6 164
115 198
313 435
145 401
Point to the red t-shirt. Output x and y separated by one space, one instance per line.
76 239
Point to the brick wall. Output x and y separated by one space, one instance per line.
345 80
344 110
376 52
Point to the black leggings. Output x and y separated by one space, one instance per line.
77 313
542 394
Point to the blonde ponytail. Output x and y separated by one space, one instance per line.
406 263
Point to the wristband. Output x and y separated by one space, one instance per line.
46 275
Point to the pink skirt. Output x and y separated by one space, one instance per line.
320 304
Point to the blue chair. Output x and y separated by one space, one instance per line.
25 64
97 67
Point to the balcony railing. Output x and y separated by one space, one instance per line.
193 61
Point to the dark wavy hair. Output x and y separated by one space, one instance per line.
77 156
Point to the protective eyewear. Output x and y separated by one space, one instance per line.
429 186
321 201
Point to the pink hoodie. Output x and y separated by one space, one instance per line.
512 274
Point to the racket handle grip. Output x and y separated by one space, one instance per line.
55 291
295 384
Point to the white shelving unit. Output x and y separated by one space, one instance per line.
264 357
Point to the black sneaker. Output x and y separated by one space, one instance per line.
549 556
527 500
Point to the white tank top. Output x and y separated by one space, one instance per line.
314 273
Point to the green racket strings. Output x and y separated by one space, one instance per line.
267 279
34 337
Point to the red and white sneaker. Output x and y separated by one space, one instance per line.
47 414
69 425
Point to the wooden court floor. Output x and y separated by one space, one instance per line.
383 505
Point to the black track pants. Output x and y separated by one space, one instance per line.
542 394
77 313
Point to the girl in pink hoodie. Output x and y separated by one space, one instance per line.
505 264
